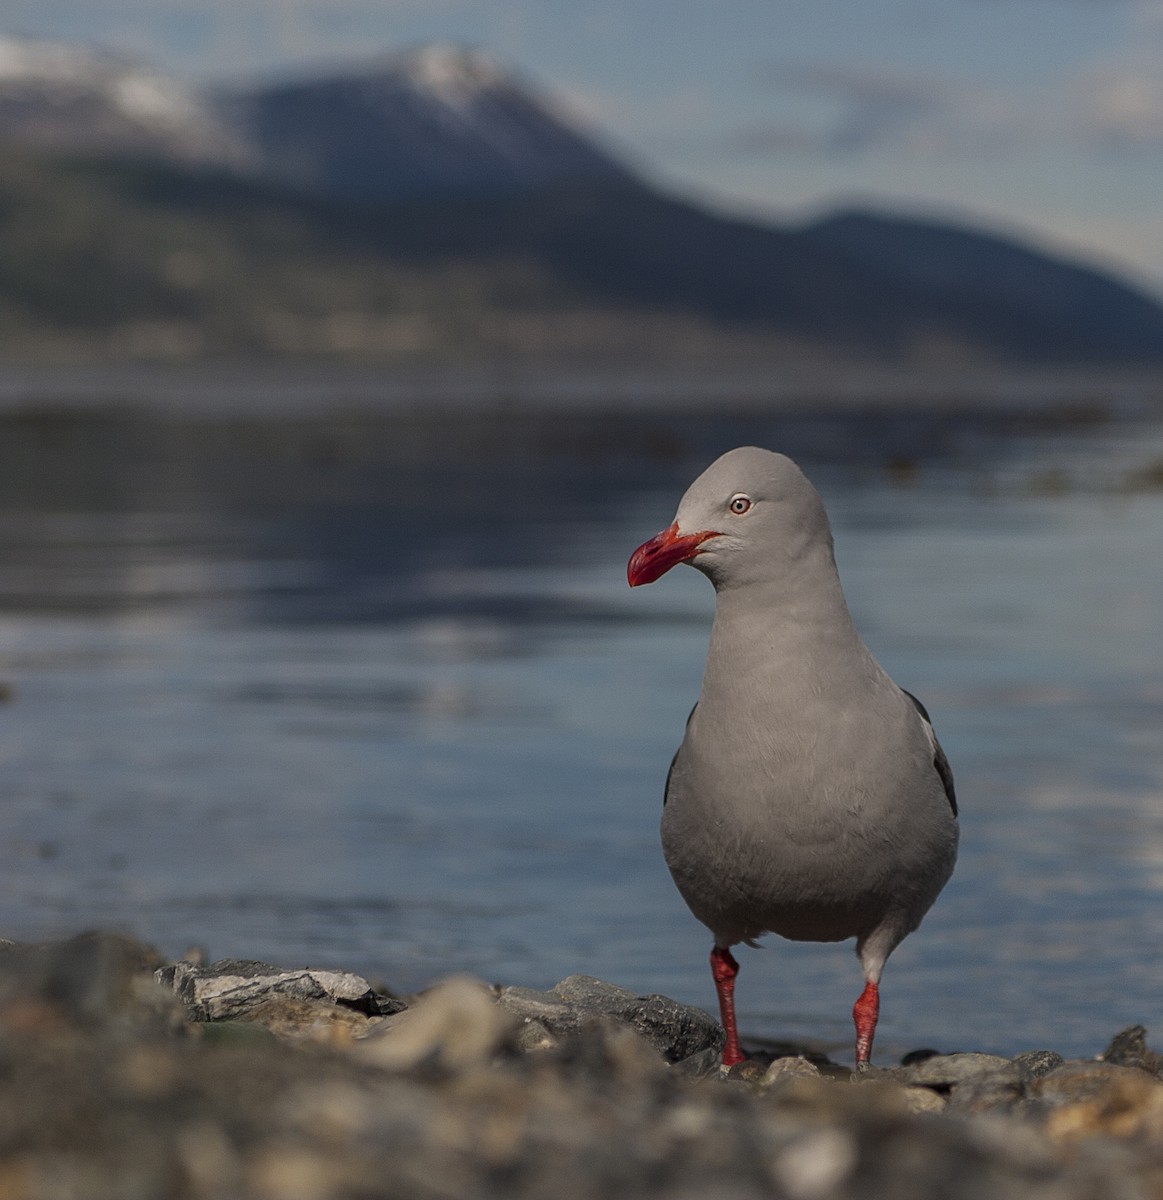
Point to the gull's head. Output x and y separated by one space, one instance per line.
748 517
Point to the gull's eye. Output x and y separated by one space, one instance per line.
739 504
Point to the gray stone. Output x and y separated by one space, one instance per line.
783 1069
990 1094
747 1071
923 1099
950 1070
970 1083
677 1031
1083 1101
870 1073
532 1036
1088 1080
918 1056
1129 1048
1033 1064
233 989
605 1051
706 1064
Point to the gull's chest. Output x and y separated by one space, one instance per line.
805 750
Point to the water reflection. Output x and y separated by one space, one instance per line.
372 691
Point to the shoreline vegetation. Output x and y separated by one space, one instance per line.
125 1075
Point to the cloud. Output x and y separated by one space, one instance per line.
1114 105
1121 108
209 36
876 106
1118 100
856 108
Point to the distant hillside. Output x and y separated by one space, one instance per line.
156 260
429 206
439 120
1056 308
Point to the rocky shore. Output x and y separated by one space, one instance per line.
123 1077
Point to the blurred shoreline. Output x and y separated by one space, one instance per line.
297 390
126 1075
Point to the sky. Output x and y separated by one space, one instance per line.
1037 117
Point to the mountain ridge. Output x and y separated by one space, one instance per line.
435 120
458 215
66 98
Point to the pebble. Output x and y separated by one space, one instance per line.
121 1076
457 1026
789 1068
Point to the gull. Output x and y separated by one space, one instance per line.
810 797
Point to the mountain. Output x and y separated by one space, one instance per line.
430 206
438 120
1033 300
858 284
73 99
156 260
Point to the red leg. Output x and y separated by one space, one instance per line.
724 968
864 1013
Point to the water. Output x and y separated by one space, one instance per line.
371 692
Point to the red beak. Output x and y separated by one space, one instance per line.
664 550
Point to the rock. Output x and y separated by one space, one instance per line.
747 1071
1033 1064
974 1083
1087 1079
306 1020
532 1036
1091 1098
992 1094
1129 1049
783 1069
677 1031
89 981
244 990
703 1065
865 1142
870 1073
605 1051
816 1164
458 1096
1086 1099
456 1026
918 1056
923 1099
947 1071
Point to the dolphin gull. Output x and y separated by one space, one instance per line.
809 797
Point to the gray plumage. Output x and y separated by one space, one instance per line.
809 797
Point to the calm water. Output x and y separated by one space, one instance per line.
372 692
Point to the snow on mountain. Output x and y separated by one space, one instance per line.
440 119
436 120
22 58
62 97
447 73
